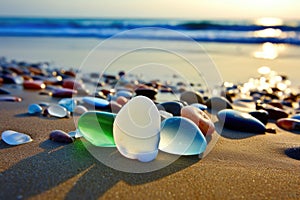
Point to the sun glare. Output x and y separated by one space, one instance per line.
269 51
269 21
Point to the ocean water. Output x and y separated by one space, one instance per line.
226 31
226 51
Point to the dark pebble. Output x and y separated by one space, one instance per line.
261 115
172 107
293 152
60 136
218 103
147 92
191 97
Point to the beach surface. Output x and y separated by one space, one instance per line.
240 165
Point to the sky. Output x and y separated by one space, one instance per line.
179 9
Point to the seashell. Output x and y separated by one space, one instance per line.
15 138
289 124
10 98
218 103
172 107
68 103
200 118
97 102
136 129
240 121
60 136
35 109
34 85
97 128
57 111
261 115
181 136
191 97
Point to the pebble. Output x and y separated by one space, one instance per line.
240 121
63 93
68 103
34 85
199 106
293 152
10 98
121 100
147 92
218 103
60 136
274 113
200 118
191 97
261 115
173 107
97 128
57 111
181 136
296 116
289 124
98 103
79 109
114 107
138 123
124 93
15 138
34 109
9 79
3 91
164 114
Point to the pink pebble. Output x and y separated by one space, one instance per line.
122 100
200 118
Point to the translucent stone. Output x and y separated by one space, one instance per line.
34 109
181 136
97 102
124 93
136 129
80 109
14 138
97 128
68 103
57 111
75 134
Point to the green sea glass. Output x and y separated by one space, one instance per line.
97 128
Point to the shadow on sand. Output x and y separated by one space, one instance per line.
59 163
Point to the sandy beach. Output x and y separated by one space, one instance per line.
240 165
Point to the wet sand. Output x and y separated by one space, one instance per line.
239 166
